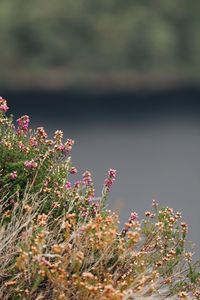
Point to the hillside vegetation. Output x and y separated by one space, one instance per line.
58 240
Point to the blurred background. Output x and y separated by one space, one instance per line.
122 79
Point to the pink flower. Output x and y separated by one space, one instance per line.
58 135
110 179
68 185
23 123
41 133
73 170
13 175
133 217
77 184
33 142
31 164
3 105
112 173
67 147
87 178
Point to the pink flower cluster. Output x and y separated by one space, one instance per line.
33 142
111 178
3 105
87 178
66 148
23 123
68 185
58 135
30 164
41 133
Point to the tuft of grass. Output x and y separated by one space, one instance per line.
58 241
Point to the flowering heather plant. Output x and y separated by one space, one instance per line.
23 124
3 105
57 241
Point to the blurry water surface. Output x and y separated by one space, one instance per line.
152 139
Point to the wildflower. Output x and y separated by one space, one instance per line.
30 164
13 175
147 213
21 145
41 133
133 217
73 170
58 135
184 225
178 215
67 147
33 142
128 225
77 184
68 185
3 105
111 178
55 205
23 148
49 142
90 193
87 179
23 124
7 144
112 173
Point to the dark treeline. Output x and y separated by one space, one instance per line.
59 41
